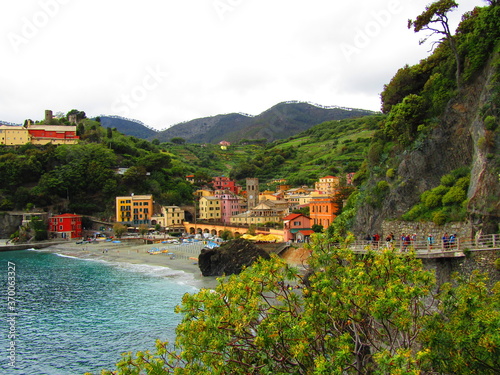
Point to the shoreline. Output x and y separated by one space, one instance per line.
178 258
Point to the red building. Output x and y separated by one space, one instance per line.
225 183
56 134
65 226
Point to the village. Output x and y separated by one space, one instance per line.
222 206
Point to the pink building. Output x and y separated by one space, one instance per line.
296 227
230 205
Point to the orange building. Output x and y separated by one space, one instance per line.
322 209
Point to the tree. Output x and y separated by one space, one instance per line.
436 14
178 140
317 228
463 336
143 229
119 229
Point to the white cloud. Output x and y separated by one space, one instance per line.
167 61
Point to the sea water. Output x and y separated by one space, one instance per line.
70 316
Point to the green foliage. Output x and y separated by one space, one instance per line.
446 202
456 194
463 336
119 229
335 146
404 119
439 217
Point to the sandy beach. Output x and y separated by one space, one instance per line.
176 257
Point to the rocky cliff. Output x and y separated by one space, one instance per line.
460 139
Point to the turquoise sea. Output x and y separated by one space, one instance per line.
73 316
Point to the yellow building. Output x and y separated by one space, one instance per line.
14 135
134 210
210 209
299 200
171 217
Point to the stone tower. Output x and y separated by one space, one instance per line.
48 116
252 192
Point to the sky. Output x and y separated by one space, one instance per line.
164 62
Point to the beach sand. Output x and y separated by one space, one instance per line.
176 257
179 257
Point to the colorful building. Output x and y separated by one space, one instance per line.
56 134
230 204
265 212
210 209
134 209
296 227
37 134
328 184
171 217
14 135
322 209
225 183
65 226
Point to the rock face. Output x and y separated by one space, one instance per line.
451 145
230 258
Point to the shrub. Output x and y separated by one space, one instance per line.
454 195
448 180
497 264
432 200
417 211
439 217
490 123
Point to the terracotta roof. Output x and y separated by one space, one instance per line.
292 216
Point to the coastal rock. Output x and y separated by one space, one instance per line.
230 258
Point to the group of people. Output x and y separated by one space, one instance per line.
407 240
449 240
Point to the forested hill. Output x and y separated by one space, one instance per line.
127 126
279 122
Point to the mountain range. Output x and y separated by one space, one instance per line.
278 122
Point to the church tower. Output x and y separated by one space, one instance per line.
252 192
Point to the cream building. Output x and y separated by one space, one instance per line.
328 184
171 217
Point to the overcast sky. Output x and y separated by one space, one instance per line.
167 61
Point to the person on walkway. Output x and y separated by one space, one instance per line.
430 240
446 240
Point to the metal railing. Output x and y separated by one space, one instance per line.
438 245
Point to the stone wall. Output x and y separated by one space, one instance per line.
480 260
422 229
